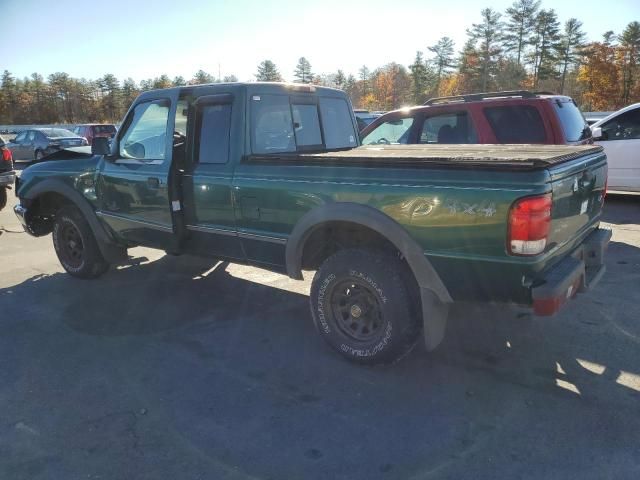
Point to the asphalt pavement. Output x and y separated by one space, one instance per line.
178 368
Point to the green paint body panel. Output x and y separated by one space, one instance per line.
245 210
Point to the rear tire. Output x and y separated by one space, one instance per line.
361 306
76 246
3 197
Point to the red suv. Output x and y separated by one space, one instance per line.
500 117
91 131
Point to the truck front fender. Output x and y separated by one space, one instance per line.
110 251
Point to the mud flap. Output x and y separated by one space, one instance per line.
434 318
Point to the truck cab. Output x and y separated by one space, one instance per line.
167 181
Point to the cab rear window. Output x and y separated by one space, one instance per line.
516 124
282 124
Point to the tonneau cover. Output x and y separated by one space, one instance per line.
517 156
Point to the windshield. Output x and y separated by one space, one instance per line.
390 132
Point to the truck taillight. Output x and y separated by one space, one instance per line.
6 154
529 225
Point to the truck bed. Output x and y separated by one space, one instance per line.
487 156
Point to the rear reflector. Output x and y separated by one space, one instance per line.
529 225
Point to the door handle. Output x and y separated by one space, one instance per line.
153 182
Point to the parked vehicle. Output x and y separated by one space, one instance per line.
364 118
619 134
269 175
7 175
500 117
593 117
93 130
37 143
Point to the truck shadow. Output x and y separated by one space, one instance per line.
622 209
213 346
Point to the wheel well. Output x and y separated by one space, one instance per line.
42 211
327 238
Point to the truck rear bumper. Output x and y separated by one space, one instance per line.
576 273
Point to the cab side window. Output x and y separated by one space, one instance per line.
452 127
145 137
516 124
625 126
213 128
20 137
391 132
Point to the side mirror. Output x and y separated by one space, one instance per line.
100 146
596 132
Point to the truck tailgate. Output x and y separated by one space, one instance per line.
578 189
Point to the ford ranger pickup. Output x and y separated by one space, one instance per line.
272 175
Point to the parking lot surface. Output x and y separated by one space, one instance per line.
180 368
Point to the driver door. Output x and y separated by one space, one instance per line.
132 187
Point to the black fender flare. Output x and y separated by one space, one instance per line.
369 217
110 251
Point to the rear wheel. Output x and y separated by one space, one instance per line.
76 246
3 197
361 306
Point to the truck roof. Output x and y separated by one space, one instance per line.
252 87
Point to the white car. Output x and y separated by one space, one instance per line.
619 134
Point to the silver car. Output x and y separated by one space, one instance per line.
37 143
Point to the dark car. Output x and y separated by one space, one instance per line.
364 118
491 118
94 130
7 175
37 143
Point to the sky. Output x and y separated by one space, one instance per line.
143 39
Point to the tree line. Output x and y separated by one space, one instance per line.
524 47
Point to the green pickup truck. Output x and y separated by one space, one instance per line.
272 175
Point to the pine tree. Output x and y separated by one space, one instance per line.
521 17
468 69
162 81
546 41
630 46
489 34
443 58
569 48
201 77
365 75
339 79
419 76
129 93
230 79
179 81
268 72
9 97
302 73
110 89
